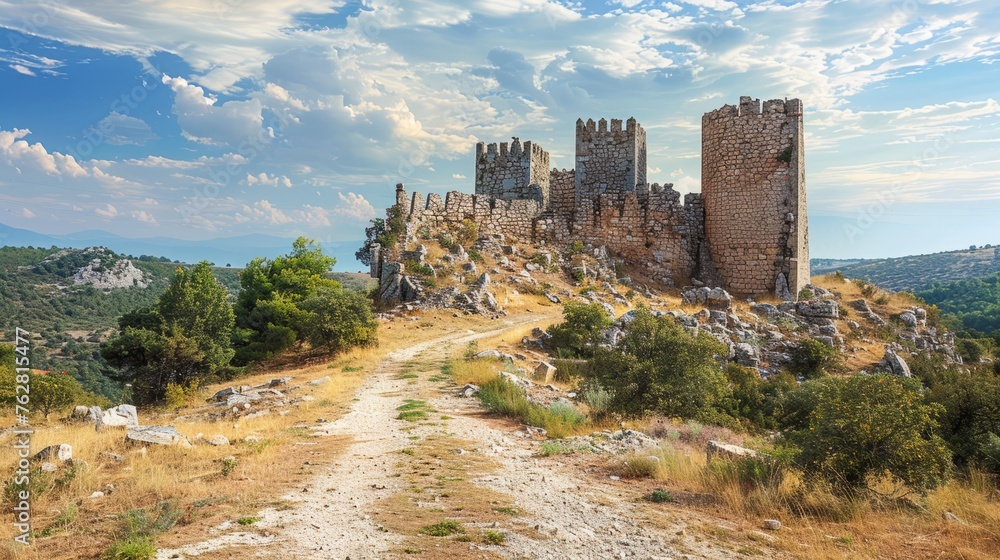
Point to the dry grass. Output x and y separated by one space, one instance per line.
816 523
440 492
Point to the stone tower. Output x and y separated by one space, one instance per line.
513 172
610 161
754 190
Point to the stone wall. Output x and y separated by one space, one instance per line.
513 218
610 161
562 191
754 194
513 172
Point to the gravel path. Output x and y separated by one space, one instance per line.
330 518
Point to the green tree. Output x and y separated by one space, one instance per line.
661 368
340 319
384 232
185 337
868 426
269 318
581 328
811 358
54 393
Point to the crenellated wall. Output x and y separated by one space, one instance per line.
753 184
747 231
513 171
610 160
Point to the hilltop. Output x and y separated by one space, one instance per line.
917 272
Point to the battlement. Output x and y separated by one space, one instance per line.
610 160
513 171
750 107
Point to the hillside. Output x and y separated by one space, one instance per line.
917 272
974 301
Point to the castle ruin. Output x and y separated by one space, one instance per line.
746 231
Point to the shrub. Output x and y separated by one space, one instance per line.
576 248
468 232
811 358
660 496
581 327
805 293
661 368
970 350
340 319
494 537
869 426
598 400
443 529
475 256
133 547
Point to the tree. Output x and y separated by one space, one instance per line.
269 318
581 328
340 319
660 368
53 393
384 232
185 337
868 426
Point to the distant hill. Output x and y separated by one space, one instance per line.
233 251
918 272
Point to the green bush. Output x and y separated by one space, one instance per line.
581 328
133 547
340 319
443 529
869 426
661 368
660 496
811 358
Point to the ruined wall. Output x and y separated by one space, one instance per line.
610 161
513 218
562 191
659 234
512 172
755 207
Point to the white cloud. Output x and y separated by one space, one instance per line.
458 176
236 124
15 150
22 70
119 130
108 211
268 180
27 213
355 206
145 217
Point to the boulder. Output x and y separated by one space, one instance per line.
909 319
483 282
279 381
746 355
48 467
469 390
159 435
765 310
545 372
218 440
61 452
717 298
819 308
772 524
79 413
121 415
894 364
321 381
920 313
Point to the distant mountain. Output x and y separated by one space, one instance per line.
235 251
917 272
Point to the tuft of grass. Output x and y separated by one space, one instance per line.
413 410
557 447
352 369
444 528
133 547
506 510
248 520
502 396
494 537
660 496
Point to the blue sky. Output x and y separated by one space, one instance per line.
205 119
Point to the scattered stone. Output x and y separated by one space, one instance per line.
727 451
96 495
279 381
894 364
321 381
718 298
251 439
121 415
61 452
79 413
48 467
469 390
819 308
909 319
772 524
218 440
160 435
545 372
110 456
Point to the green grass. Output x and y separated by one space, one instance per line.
494 537
413 410
133 547
660 496
506 510
502 396
557 447
443 529
245 521
407 376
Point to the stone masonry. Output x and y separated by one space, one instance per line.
512 172
753 184
746 231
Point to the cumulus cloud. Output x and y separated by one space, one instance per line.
236 124
268 180
355 206
145 217
16 150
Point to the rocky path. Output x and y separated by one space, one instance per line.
334 517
